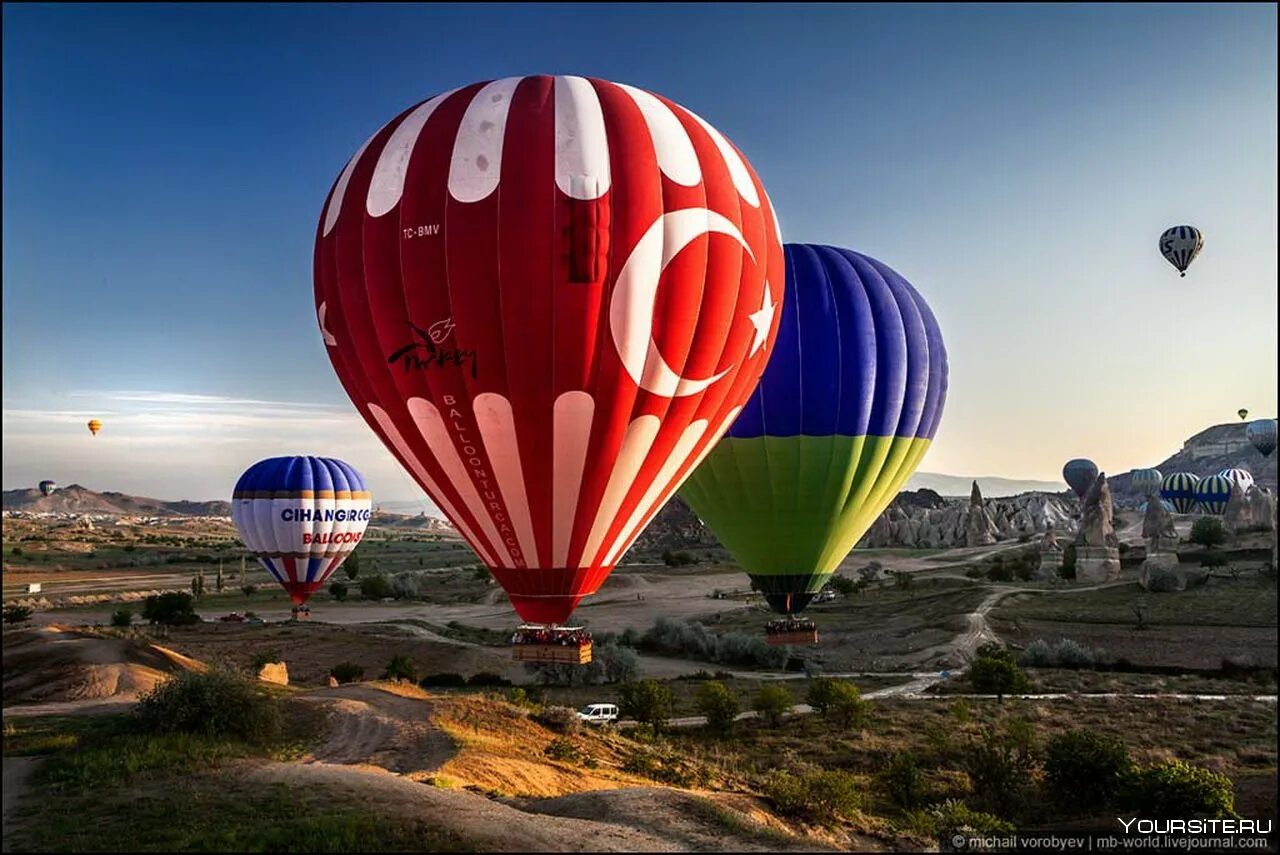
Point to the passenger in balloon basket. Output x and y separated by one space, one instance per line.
301 612
549 636
791 629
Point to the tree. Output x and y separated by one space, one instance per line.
338 590
837 701
648 702
174 608
843 585
773 701
1208 532
197 584
719 705
376 587
1086 769
997 676
1000 762
401 667
121 617
352 565
902 780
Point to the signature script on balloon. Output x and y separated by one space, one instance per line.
427 352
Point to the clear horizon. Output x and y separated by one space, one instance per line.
164 168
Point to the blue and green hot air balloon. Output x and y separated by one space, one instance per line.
1179 490
844 412
1146 481
1213 493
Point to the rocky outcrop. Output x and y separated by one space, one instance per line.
979 528
274 672
907 524
1164 577
1051 555
1249 510
1157 528
1097 547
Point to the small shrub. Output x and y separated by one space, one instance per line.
401 667
175 608
213 703
999 571
843 585
1000 761
447 680
1208 532
559 719
562 749
901 780
338 590
719 705
376 587
347 672
819 797
122 618
1085 768
17 614
1063 653
265 657
773 701
667 766
1178 790
953 820
352 565
837 701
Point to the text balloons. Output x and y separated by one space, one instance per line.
549 297
1180 245
846 409
301 517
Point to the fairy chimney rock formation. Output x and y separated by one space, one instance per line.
980 528
1097 547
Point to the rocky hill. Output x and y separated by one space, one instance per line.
417 522
75 499
1213 449
910 522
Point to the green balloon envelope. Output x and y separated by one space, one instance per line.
845 411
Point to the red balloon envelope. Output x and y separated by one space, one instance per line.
549 296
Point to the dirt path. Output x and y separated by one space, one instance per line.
370 726
17 774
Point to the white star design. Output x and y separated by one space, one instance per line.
762 320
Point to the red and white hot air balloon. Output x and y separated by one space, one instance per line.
549 296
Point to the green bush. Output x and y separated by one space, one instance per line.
719 705
212 703
679 559
1178 790
666 765
558 719
648 702
562 749
1085 768
1208 532
819 797
249 590
843 585
901 780
122 617
837 701
694 641
999 571
401 667
347 672
773 701
1063 653
338 590
175 608
376 587
17 614
954 819
997 676
1000 761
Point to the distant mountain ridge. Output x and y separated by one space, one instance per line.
992 486
75 499
1208 452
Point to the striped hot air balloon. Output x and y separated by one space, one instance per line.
1179 489
1241 479
48 487
1213 493
1168 506
1180 245
1080 474
301 517
1262 433
1146 481
548 297
845 411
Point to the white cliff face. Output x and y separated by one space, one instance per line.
1030 514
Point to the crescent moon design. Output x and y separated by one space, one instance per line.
636 291
328 336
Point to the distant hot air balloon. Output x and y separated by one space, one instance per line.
1146 481
1180 245
301 517
1168 506
845 411
1243 414
1213 493
487 272
1241 479
94 426
1179 489
1262 433
1080 473
48 487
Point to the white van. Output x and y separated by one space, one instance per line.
598 713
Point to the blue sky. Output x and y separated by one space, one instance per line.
164 167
